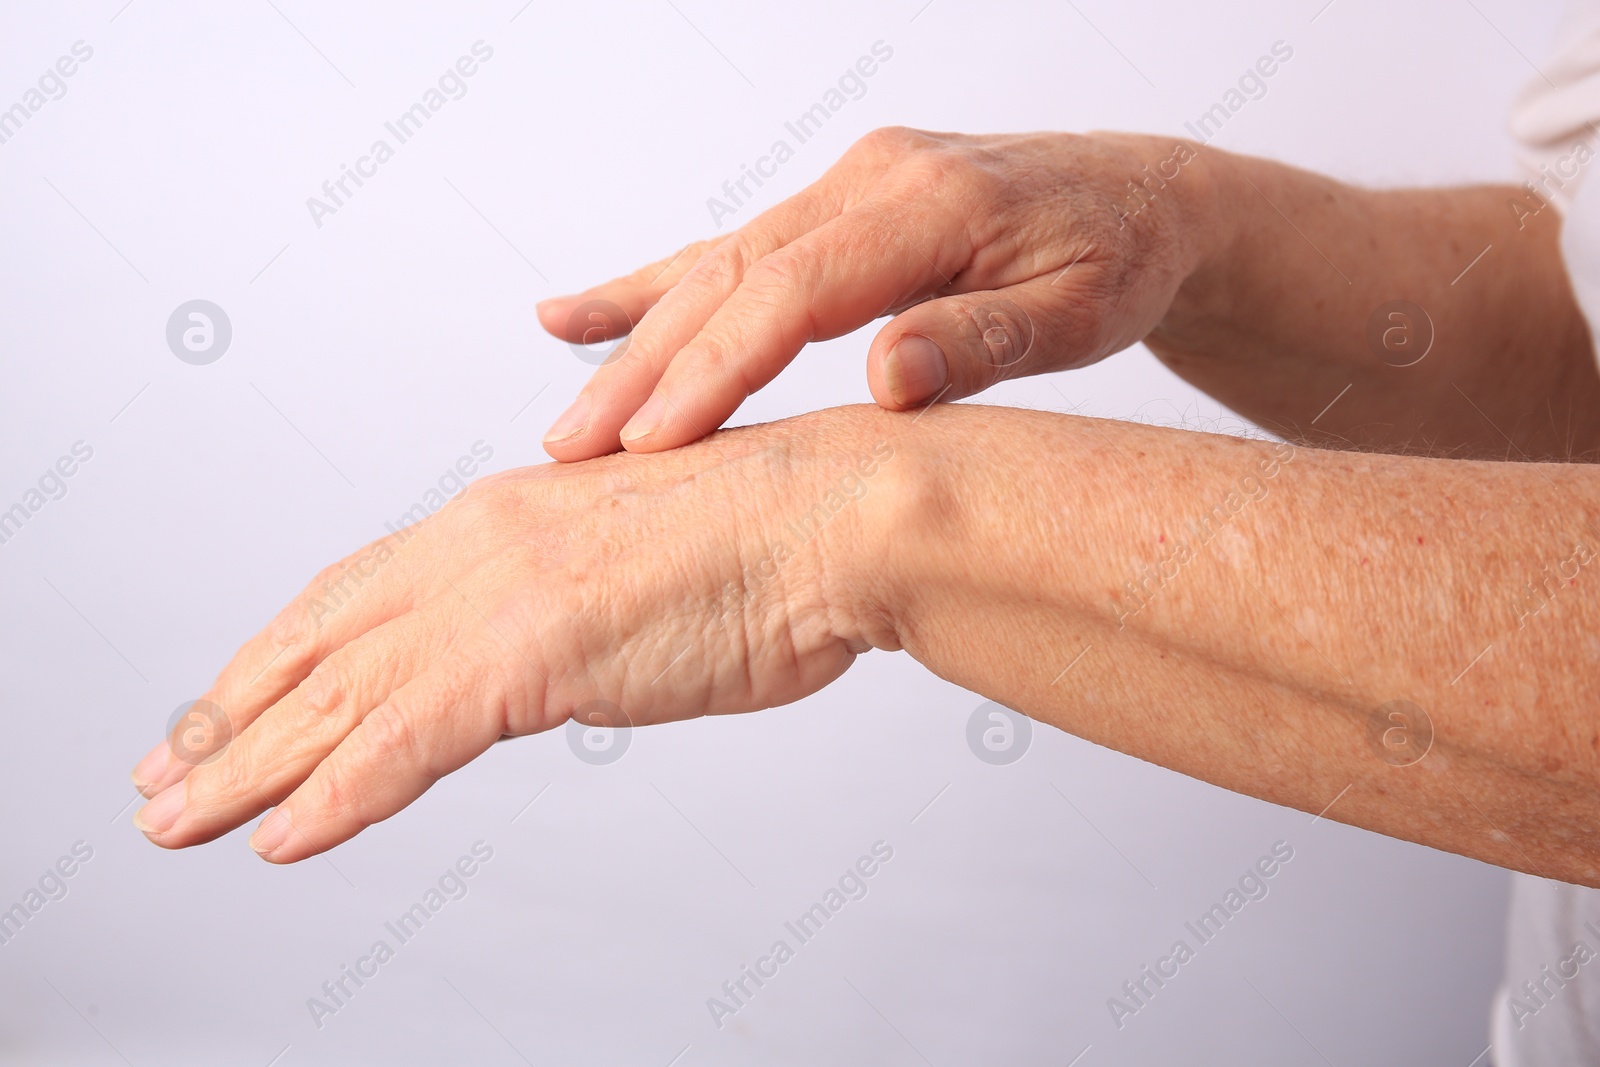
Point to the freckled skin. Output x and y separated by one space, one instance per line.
1215 664
1274 324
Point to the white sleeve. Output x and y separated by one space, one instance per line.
1559 109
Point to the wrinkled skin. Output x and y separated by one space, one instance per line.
644 582
1013 254
545 589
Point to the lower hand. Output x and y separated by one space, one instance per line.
726 577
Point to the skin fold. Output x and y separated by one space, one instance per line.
1248 612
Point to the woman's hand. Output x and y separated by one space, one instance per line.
725 577
999 256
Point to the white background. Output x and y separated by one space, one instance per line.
399 333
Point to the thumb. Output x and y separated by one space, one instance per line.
957 346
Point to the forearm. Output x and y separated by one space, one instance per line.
1246 607
1285 315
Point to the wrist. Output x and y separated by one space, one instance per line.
976 539
842 508
1210 233
913 547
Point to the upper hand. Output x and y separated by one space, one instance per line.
999 256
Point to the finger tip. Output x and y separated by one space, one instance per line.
278 857
274 832
561 452
169 777
642 443
163 839
290 851
660 426
882 396
152 768
557 448
659 441
577 447
549 314
915 371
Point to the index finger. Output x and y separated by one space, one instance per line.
585 318
833 280
342 602
617 389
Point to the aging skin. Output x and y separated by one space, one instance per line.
1247 606
1253 280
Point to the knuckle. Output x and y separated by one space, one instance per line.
294 626
327 578
297 625
487 506
780 272
692 252
720 269
892 140
389 737
232 776
340 795
627 358
772 308
293 633
937 168
325 691
472 496
712 363
655 274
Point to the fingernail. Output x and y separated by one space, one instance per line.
272 832
572 420
158 816
916 369
153 767
647 420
